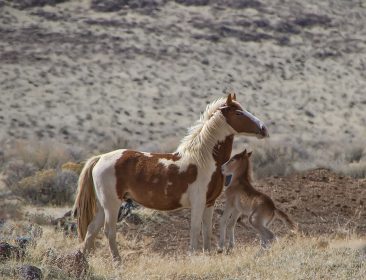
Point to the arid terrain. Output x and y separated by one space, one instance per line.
84 77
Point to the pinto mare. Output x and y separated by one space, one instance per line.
189 178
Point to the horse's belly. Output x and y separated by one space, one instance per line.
156 200
244 204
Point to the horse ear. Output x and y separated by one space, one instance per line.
249 154
244 152
234 96
229 101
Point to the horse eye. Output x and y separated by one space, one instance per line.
238 113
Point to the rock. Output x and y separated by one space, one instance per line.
74 264
25 4
66 224
8 251
30 272
117 5
193 2
23 242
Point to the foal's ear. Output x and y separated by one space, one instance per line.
229 100
234 96
249 154
244 152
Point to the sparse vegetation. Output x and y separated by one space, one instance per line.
289 258
42 174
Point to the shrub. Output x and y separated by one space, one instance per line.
47 186
42 155
17 170
41 172
277 159
73 167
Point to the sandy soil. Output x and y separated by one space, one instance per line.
144 72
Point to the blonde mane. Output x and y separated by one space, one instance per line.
202 136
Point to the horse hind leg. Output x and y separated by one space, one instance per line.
259 221
110 227
93 229
231 227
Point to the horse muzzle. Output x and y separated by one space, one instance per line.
263 133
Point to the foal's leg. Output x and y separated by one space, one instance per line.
111 215
93 229
231 226
223 223
207 227
259 222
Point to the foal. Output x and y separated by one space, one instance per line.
243 198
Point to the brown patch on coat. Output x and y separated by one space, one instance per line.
150 183
221 154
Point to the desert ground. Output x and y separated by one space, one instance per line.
78 78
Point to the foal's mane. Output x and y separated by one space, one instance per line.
202 136
248 172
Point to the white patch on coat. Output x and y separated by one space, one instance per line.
166 162
181 164
184 201
104 177
147 154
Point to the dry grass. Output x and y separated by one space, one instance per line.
299 257
289 258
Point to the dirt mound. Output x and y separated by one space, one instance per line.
320 201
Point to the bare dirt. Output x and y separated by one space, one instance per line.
320 201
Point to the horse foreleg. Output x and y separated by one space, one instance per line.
207 227
110 227
231 227
223 223
196 222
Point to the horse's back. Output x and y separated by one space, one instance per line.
157 181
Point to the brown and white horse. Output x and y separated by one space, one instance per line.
189 178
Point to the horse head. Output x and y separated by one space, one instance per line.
240 120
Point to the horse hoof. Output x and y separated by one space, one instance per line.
220 250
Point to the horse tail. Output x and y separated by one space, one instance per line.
85 203
284 218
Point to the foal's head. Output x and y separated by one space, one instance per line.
241 120
238 165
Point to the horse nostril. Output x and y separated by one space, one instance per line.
265 131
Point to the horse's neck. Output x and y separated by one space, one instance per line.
222 150
244 180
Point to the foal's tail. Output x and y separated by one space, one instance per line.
85 203
284 218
